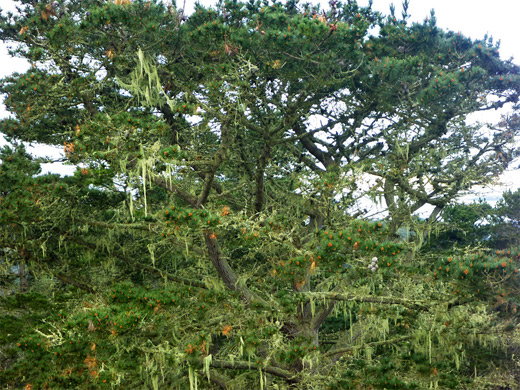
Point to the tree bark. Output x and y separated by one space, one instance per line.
23 276
242 365
259 179
224 270
68 280
388 188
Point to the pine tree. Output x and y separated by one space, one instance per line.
210 235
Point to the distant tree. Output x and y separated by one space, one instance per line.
420 85
506 229
464 225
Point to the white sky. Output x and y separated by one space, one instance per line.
474 18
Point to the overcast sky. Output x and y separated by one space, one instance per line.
474 18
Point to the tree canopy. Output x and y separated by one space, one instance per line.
507 227
212 236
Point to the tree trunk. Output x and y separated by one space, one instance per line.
389 188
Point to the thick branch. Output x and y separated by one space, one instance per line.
163 183
219 157
68 280
224 270
259 177
416 305
138 226
170 119
114 225
323 157
23 277
374 344
321 316
208 182
389 196
434 214
242 365
169 276
219 379
403 183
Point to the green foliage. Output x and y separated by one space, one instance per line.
506 228
210 235
466 225
479 224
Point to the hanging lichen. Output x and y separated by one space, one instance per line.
144 83
143 167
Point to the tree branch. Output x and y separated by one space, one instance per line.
259 177
163 183
224 270
417 305
219 157
68 280
168 186
163 274
374 344
322 157
242 365
321 316
218 379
